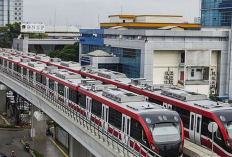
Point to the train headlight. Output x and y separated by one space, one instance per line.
228 143
181 146
153 147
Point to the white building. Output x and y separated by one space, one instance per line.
11 11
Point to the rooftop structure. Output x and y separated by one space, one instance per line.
148 22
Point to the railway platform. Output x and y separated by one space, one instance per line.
194 150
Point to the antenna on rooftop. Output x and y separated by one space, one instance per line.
98 21
55 17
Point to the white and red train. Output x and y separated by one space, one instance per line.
196 114
122 113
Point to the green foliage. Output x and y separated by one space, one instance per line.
69 53
37 154
37 35
213 98
8 33
7 126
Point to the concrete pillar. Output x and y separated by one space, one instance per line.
77 149
38 128
3 98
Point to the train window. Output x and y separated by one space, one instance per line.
15 67
123 124
115 118
19 69
204 127
38 77
0 61
184 114
82 100
73 95
25 71
51 84
156 101
44 80
128 122
218 134
96 108
61 89
10 65
198 124
144 137
164 132
192 122
5 63
30 74
229 129
137 132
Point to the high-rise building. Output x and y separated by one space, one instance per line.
216 13
11 11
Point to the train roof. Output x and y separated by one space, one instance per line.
131 101
38 66
192 99
199 101
128 100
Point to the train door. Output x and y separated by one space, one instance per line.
66 95
195 128
34 78
56 90
47 85
88 106
28 79
125 130
105 114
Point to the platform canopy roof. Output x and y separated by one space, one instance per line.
99 53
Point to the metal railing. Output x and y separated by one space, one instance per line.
125 149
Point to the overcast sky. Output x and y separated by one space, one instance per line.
85 12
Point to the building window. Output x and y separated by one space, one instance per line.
19 13
15 13
19 8
15 8
19 3
19 18
15 3
129 53
192 73
182 57
15 18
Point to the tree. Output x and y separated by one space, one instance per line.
8 33
37 35
69 53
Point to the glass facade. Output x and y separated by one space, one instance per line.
216 13
130 59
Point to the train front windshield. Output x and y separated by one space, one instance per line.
229 130
166 132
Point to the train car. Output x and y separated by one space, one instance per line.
196 114
123 114
222 146
120 111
